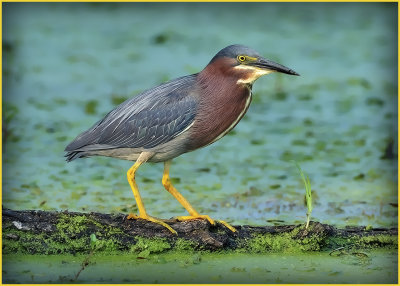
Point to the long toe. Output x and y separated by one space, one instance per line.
132 216
227 225
191 217
154 220
224 223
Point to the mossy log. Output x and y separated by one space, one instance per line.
44 232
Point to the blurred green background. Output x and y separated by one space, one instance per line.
66 65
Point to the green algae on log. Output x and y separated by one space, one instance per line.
44 232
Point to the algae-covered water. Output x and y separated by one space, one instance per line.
66 65
370 267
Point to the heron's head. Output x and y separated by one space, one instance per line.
245 64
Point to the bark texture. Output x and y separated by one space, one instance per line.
43 232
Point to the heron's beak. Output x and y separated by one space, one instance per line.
272 66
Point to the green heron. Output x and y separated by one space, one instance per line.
176 117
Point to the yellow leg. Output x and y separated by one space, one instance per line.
178 196
142 211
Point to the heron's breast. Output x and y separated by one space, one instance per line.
217 116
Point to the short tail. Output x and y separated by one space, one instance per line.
72 155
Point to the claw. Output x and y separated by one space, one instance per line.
190 217
224 223
132 216
227 225
152 219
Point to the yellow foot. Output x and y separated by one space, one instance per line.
152 219
191 217
227 225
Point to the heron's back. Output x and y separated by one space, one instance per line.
153 117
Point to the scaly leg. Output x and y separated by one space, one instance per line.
142 211
193 213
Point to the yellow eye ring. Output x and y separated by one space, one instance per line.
241 58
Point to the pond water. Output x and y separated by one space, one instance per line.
67 65
370 267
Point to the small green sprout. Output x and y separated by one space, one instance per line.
93 240
307 185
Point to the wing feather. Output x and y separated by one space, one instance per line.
153 117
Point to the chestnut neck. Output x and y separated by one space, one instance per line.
222 102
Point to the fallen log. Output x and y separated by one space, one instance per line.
49 232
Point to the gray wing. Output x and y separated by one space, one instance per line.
149 128
153 117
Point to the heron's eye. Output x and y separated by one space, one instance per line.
241 58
